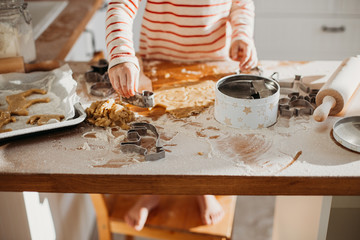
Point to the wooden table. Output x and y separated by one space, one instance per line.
296 156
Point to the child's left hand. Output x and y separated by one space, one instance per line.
245 53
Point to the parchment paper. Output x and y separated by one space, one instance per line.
60 87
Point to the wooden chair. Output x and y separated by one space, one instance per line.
176 217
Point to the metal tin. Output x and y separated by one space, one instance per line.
246 101
346 131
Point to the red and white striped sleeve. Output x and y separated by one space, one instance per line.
119 36
242 16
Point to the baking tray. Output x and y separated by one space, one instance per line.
61 89
346 131
79 117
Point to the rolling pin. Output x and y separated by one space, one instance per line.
16 64
337 91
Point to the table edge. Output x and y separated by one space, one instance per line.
180 184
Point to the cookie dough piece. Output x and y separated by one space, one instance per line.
18 103
5 118
186 100
43 119
109 113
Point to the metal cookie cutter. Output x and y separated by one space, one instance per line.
101 86
295 106
145 99
134 140
294 86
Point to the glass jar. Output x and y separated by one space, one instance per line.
16 36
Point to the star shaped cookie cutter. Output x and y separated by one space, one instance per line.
295 105
134 136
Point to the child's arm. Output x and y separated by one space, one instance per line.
242 44
123 64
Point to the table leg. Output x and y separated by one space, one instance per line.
301 217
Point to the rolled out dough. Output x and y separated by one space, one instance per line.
186 100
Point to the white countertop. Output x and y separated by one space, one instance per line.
235 152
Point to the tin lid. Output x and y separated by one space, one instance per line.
346 131
247 86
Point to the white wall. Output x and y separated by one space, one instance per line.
71 215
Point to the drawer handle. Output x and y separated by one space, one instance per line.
333 29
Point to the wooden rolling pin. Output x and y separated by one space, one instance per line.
16 64
337 91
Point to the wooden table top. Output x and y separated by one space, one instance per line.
296 156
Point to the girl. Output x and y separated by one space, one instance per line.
177 30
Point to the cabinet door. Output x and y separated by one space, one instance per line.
347 7
294 6
307 38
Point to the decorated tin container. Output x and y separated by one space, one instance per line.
246 101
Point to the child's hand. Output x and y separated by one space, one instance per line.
124 78
245 53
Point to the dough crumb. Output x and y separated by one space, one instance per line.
109 113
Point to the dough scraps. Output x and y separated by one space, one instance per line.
109 113
18 103
186 100
5 118
43 119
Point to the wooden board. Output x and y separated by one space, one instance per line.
57 40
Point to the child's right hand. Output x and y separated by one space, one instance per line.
124 78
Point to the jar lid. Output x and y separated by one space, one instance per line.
6 4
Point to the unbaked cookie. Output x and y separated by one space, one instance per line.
109 113
18 103
43 119
5 118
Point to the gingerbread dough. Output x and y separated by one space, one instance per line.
187 100
109 113
18 103
5 118
43 119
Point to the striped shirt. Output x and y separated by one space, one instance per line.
180 30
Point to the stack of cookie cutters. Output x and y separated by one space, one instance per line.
98 76
296 104
134 136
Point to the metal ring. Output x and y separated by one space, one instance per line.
101 89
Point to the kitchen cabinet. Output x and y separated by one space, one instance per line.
307 30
